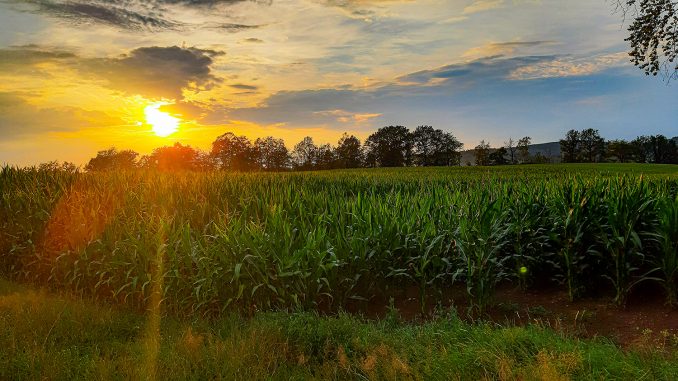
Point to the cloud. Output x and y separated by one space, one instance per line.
153 72
482 6
306 108
129 14
230 27
19 118
241 86
426 96
569 66
253 40
156 72
503 48
29 54
495 67
344 116
24 58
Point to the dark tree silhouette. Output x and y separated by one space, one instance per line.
272 154
389 147
446 149
235 153
112 159
620 150
653 35
55 166
523 148
511 150
423 140
498 157
592 145
434 147
482 153
325 157
569 147
656 149
305 154
177 158
349 152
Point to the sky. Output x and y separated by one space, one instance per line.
78 76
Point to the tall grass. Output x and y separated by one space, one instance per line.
251 242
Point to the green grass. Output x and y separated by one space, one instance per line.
45 336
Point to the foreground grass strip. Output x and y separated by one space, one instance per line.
43 336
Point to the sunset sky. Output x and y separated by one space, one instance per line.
79 76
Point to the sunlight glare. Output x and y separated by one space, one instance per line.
162 123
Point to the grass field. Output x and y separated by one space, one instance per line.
44 336
212 246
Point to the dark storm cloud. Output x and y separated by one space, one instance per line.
126 14
157 71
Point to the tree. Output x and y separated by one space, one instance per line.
620 150
235 153
325 158
511 150
569 147
175 158
305 154
349 152
446 149
523 148
656 149
653 35
592 145
389 147
434 147
482 153
423 140
55 166
112 159
272 154
498 157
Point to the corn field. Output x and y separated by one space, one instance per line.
217 242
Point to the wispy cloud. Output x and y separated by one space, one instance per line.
146 15
569 66
482 6
504 48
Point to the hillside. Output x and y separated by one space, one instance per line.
550 150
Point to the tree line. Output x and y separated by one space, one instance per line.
587 146
391 146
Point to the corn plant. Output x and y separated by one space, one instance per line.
667 260
246 242
427 267
481 238
628 219
574 221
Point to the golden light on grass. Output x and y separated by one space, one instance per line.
162 123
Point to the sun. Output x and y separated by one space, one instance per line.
162 123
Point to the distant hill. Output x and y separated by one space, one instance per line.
549 150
